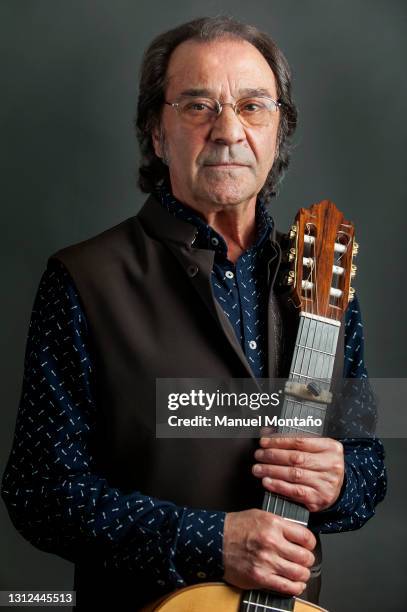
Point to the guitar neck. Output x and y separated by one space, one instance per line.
312 362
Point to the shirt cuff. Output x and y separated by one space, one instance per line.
198 553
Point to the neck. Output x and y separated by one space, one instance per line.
236 223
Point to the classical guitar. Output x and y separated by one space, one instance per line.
317 269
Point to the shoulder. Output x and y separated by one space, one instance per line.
98 247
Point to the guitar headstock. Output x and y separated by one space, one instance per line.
319 260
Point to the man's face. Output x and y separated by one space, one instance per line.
200 158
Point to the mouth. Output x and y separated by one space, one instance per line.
226 165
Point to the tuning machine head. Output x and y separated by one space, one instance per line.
290 255
293 232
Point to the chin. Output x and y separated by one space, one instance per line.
228 192
227 199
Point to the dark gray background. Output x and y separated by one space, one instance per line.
68 155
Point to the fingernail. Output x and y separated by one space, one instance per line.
267 480
257 469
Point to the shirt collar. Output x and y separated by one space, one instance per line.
207 237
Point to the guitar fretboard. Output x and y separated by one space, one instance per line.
312 362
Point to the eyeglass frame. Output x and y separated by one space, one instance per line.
220 104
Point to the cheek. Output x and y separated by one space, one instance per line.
185 147
263 146
267 149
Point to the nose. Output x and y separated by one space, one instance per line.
227 128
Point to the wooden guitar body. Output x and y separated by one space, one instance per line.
213 597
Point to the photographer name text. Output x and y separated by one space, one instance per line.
257 421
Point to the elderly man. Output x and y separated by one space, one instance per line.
182 289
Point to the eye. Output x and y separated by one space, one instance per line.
251 107
198 106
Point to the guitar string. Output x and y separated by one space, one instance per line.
324 345
308 327
338 262
276 498
314 271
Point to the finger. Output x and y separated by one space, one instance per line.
295 553
297 458
291 571
299 493
295 475
281 585
298 534
267 432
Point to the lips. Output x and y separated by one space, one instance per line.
226 165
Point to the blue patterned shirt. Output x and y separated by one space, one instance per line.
241 289
53 490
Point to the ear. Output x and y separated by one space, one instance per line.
155 136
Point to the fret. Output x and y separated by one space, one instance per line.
276 504
310 377
308 315
297 430
312 407
310 348
315 349
295 521
294 408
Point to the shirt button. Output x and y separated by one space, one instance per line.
192 270
214 241
201 575
229 274
253 344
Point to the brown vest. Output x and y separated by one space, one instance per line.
147 296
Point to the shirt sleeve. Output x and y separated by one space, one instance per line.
54 493
365 481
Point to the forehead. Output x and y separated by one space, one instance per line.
224 67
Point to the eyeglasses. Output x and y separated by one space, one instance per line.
252 112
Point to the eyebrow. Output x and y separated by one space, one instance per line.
248 91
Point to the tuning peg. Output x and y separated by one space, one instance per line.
291 254
293 232
353 271
351 294
290 277
355 248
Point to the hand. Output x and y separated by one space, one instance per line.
265 551
309 470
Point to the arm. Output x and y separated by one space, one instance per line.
55 495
